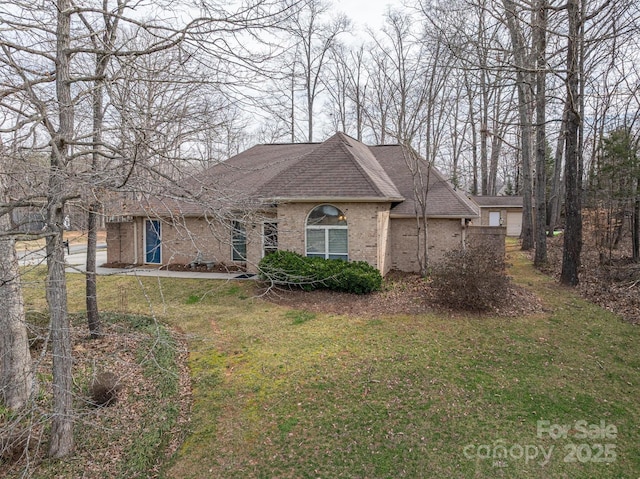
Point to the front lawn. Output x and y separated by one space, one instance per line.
293 393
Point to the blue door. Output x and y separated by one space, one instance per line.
152 242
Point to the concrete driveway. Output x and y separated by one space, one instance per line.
77 256
77 259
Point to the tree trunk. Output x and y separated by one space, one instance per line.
62 424
310 119
93 316
523 83
484 134
555 198
16 377
496 148
540 32
635 224
102 61
573 232
474 136
56 287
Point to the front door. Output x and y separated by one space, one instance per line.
152 242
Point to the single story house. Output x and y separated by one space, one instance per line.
501 211
336 199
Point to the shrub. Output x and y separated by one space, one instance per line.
472 279
292 269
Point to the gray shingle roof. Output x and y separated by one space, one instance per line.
340 169
442 199
498 201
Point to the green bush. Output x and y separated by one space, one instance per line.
292 269
472 279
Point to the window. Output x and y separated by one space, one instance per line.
269 238
238 242
327 233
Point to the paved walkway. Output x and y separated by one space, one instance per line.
76 263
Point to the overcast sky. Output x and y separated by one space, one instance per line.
365 12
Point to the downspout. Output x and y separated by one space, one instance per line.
135 241
463 224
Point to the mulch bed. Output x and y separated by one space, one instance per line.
403 293
198 268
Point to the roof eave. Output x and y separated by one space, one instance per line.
337 199
499 206
435 217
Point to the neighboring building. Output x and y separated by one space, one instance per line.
501 211
335 199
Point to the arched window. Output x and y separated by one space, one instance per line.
327 233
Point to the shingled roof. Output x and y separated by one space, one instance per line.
498 201
338 169
443 200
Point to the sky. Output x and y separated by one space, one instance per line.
365 12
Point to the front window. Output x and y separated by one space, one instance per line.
269 238
238 242
327 233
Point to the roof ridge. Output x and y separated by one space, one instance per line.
346 146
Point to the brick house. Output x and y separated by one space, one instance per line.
335 199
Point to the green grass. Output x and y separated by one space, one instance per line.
292 394
299 317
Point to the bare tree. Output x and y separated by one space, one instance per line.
555 195
16 377
55 74
316 38
420 170
573 159
346 87
540 46
378 108
523 67
103 43
61 442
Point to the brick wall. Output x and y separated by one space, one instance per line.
444 235
383 242
120 242
362 222
487 237
182 239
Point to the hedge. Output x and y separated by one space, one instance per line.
291 269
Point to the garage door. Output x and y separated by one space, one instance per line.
514 224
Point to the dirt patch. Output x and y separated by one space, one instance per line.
402 293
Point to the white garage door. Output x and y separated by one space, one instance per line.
514 224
